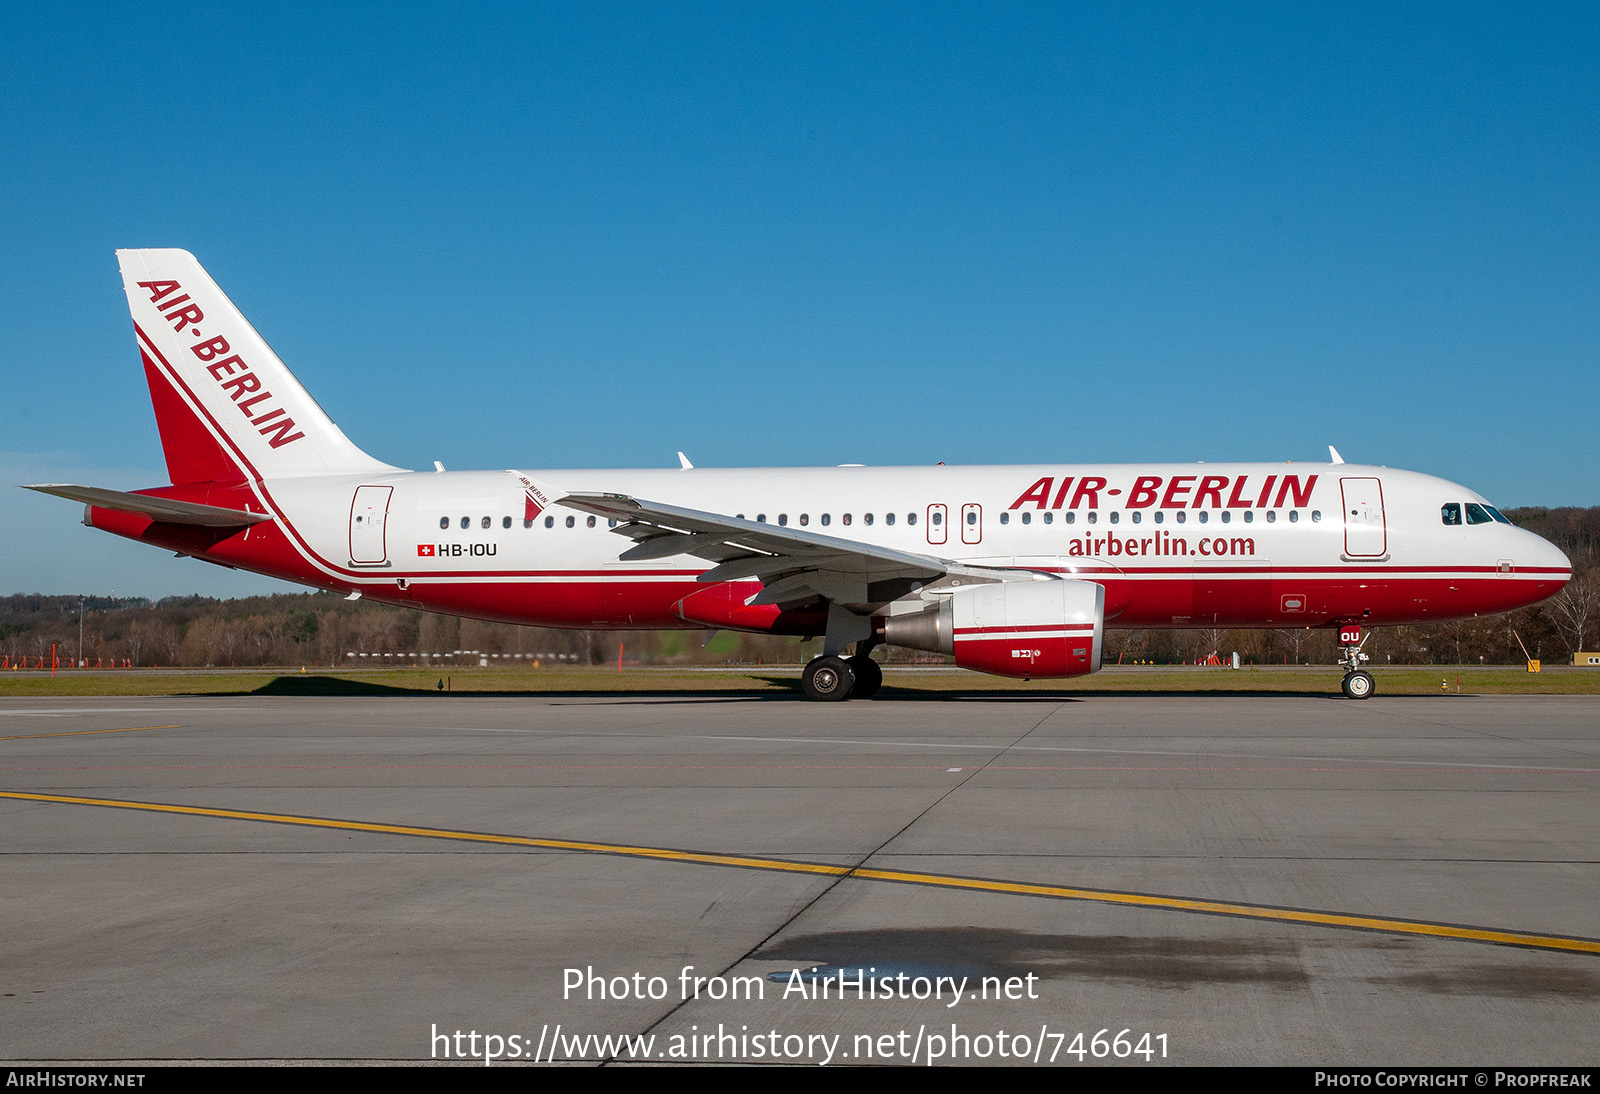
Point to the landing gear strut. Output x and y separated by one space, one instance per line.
1358 683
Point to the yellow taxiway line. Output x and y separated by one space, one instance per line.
942 881
84 732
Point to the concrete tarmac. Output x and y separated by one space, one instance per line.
1246 880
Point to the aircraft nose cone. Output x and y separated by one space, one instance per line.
1548 554
1539 555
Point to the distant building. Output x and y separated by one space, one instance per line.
1586 659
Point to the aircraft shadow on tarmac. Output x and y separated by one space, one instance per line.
779 688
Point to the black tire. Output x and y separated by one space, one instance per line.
828 680
1358 685
869 677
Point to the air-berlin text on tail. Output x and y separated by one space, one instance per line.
225 366
1176 492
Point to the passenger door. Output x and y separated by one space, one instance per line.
369 513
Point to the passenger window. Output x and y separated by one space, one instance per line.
549 522
1027 518
867 519
1316 515
466 522
972 518
1005 518
1249 517
444 522
1049 518
845 520
1476 515
826 519
1294 516
527 523
938 518
1116 516
805 519
611 523
1203 516
783 520
1272 516
1069 517
888 518
1093 517
572 522
591 522
1160 517
485 522
1451 514
1180 516
505 522
1136 516
1226 516
911 518
761 518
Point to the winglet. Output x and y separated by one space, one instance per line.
1333 454
537 496
683 462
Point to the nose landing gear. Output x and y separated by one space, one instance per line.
1357 683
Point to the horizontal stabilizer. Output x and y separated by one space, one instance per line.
167 510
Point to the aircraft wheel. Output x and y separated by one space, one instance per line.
828 679
869 677
1358 685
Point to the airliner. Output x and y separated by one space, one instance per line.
1016 571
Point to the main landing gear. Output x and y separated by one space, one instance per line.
1358 683
834 679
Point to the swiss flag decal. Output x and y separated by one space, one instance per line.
424 550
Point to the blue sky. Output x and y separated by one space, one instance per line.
590 235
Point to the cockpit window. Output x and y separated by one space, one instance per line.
1451 514
1497 514
1476 514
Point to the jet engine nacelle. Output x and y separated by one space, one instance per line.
1013 628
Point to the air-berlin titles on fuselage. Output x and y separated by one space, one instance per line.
1181 492
230 371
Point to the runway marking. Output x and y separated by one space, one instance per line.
85 732
905 877
1065 768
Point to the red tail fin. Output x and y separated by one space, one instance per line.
193 455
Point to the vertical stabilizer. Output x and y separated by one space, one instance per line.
226 406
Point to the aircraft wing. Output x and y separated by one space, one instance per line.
792 564
169 510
